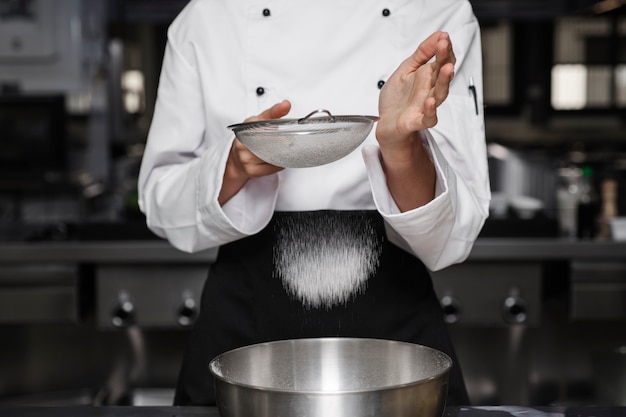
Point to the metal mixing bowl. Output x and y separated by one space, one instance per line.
306 142
328 377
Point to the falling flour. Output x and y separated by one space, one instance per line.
324 260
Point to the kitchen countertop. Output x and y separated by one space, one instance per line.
547 249
149 251
500 411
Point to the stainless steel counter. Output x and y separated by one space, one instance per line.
547 249
160 251
149 251
121 411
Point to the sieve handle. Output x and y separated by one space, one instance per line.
305 118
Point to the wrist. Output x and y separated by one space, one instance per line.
233 180
410 173
405 152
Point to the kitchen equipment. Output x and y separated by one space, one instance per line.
526 207
618 228
331 377
146 296
499 204
609 210
33 140
306 142
52 46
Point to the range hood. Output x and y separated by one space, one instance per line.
46 45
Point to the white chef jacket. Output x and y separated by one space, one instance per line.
228 60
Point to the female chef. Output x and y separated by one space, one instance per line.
341 249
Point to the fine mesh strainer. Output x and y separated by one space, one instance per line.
306 142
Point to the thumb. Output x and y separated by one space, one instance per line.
277 111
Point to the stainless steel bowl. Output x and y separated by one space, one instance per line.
330 377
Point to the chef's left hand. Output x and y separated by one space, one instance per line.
407 105
409 99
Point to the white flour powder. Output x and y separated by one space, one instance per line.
323 260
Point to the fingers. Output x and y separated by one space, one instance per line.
444 52
241 166
245 162
249 164
430 112
443 70
444 55
437 45
441 82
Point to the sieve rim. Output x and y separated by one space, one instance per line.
277 124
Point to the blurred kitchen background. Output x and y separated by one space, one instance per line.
95 310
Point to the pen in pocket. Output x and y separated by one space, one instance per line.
472 89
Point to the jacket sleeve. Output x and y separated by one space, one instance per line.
183 164
442 232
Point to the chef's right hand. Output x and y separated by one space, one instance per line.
242 164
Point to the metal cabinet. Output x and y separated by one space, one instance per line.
490 293
151 296
598 291
42 293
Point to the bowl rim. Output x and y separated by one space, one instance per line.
232 382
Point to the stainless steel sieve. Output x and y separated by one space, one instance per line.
305 142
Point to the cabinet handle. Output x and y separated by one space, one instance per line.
187 312
514 308
451 309
124 312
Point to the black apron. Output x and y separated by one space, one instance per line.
265 288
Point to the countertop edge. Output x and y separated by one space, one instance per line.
172 411
151 251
